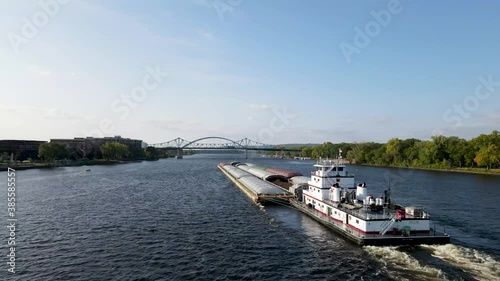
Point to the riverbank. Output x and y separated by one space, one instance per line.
482 171
25 166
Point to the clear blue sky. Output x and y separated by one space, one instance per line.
229 67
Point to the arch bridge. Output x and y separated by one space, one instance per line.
244 144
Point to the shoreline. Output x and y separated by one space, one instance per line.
453 170
480 171
20 167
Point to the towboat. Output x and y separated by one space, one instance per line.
332 198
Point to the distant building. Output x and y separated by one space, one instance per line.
20 149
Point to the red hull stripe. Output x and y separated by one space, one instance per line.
314 198
357 229
319 200
319 187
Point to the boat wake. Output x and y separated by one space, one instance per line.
436 262
478 264
402 266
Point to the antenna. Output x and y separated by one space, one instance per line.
388 196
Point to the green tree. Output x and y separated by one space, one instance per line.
354 154
114 151
483 141
380 156
76 154
426 156
95 153
410 152
4 157
151 153
440 149
306 151
315 152
488 157
327 150
52 151
456 149
469 154
393 150
351 156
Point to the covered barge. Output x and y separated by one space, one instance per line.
256 183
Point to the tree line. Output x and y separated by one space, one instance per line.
108 151
439 152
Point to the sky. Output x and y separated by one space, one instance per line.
274 71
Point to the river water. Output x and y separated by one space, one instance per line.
184 220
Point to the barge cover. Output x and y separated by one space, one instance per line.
254 187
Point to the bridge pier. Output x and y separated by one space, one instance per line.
246 153
179 154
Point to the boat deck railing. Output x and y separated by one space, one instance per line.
357 234
338 161
347 175
386 214
273 195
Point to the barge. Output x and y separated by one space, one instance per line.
256 183
331 197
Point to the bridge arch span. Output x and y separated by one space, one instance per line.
220 138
